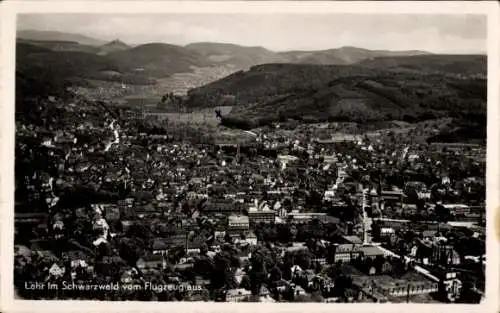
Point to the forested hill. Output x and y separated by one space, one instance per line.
367 92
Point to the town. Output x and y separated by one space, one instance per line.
282 215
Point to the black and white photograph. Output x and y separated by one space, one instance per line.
221 156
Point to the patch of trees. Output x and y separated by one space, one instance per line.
461 134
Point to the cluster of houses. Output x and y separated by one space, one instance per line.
154 208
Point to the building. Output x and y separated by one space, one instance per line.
57 271
222 206
410 289
454 146
261 213
393 198
302 217
450 285
370 252
410 209
160 246
27 219
285 160
346 252
152 261
237 295
444 255
352 240
457 209
238 222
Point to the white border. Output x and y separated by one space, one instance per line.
7 67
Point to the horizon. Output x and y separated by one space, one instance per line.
435 34
131 45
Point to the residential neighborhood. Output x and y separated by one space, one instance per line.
104 198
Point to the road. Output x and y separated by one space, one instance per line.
407 259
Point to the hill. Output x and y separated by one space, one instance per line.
41 72
410 88
60 45
358 93
461 65
234 55
148 63
113 46
342 56
159 59
138 65
243 57
38 35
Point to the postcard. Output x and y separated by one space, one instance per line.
259 155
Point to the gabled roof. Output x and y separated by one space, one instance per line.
152 258
159 244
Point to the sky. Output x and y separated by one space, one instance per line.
436 33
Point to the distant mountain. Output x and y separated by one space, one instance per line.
238 56
461 65
60 45
113 46
160 59
38 35
138 65
345 92
243 57
361 85
147 62
40 71
341 56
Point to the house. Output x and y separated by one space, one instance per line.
58 225
78 259
386 267
457 209
263 292
193 246
56 271
424 195
410 209
346 252
296 270
371 252
352 240
386 232
392 198
112 213
298 290
261 216
372 270
296 247
321 261
261 213
159 246
222 206
238 222
413 251
152 261
126 277
281 285
237 295
251 238
126 225
429 234
199 281
113 259
20 250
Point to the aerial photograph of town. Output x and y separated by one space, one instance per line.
190 157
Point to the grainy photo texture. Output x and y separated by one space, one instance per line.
250 157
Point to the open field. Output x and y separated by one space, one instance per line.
204 116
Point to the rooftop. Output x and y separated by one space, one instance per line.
238 219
